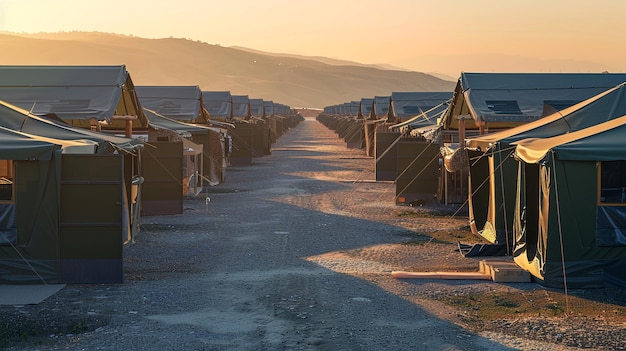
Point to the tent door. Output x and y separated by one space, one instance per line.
162 189
92 220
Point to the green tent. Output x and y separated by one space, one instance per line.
570 213
493 173
51 229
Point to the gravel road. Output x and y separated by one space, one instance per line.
291 253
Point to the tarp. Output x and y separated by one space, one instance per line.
569 220
72 93
181 103
218 103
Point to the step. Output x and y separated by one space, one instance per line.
504 272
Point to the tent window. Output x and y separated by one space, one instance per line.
613 182
504 107
6 181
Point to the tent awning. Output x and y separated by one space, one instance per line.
602 142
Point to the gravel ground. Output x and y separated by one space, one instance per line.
295 253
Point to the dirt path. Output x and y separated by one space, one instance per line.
292 253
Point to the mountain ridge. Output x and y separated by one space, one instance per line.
295 80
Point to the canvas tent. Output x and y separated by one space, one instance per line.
570 227
379 114
411 111
100 98
407 106
185 104
91 97
173 164
180 103
493 172
219 104
488 102
60 214
241 106
256 108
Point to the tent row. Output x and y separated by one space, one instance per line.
538 159
389 129
86 154
257 123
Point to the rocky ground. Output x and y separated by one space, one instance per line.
295 253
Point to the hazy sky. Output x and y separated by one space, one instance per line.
423 35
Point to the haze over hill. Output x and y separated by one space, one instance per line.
294 80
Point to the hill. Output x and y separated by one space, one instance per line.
294 80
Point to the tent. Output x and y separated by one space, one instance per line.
100 98
378 114
411 111
241 106
185 104
256 108
412 105
180 103
51 229
489 102
173 164
570 218
493 173
219 104
91 97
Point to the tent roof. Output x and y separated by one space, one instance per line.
381 105
70 92
601 142
256 107
269 107
160 121
17 119
410 104
216 96
525 97
426 118
16 146
365 108
607 105
181 103
218 103
241 106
